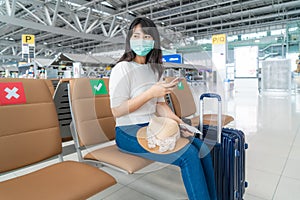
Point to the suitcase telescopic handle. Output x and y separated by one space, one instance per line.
210 95
219 126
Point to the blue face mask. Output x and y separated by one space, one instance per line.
142 47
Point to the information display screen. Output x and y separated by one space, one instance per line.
246 61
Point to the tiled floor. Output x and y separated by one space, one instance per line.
272 128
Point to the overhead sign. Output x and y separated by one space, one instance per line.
28 39
173 58
219 39
28 46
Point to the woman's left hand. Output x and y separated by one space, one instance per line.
186 133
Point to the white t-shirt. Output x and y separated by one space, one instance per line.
128 80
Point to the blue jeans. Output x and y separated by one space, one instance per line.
194 161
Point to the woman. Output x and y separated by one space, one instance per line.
136 94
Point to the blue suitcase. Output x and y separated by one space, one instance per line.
228 154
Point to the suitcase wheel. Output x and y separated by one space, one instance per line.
246 184
246 146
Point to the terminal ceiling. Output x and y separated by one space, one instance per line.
81 27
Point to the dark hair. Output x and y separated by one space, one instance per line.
154 57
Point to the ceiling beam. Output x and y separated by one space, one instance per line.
55 30
238 14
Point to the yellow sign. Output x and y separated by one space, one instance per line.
22 63
28 39
219 39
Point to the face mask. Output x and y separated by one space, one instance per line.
142 47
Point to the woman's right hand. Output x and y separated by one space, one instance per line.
160 89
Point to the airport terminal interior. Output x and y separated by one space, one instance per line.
247 51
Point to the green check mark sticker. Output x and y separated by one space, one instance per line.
180 86
98 87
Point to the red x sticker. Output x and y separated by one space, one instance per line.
12 93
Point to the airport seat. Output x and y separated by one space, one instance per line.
183 104
55 82
29 134
94 125
50 86
61 101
